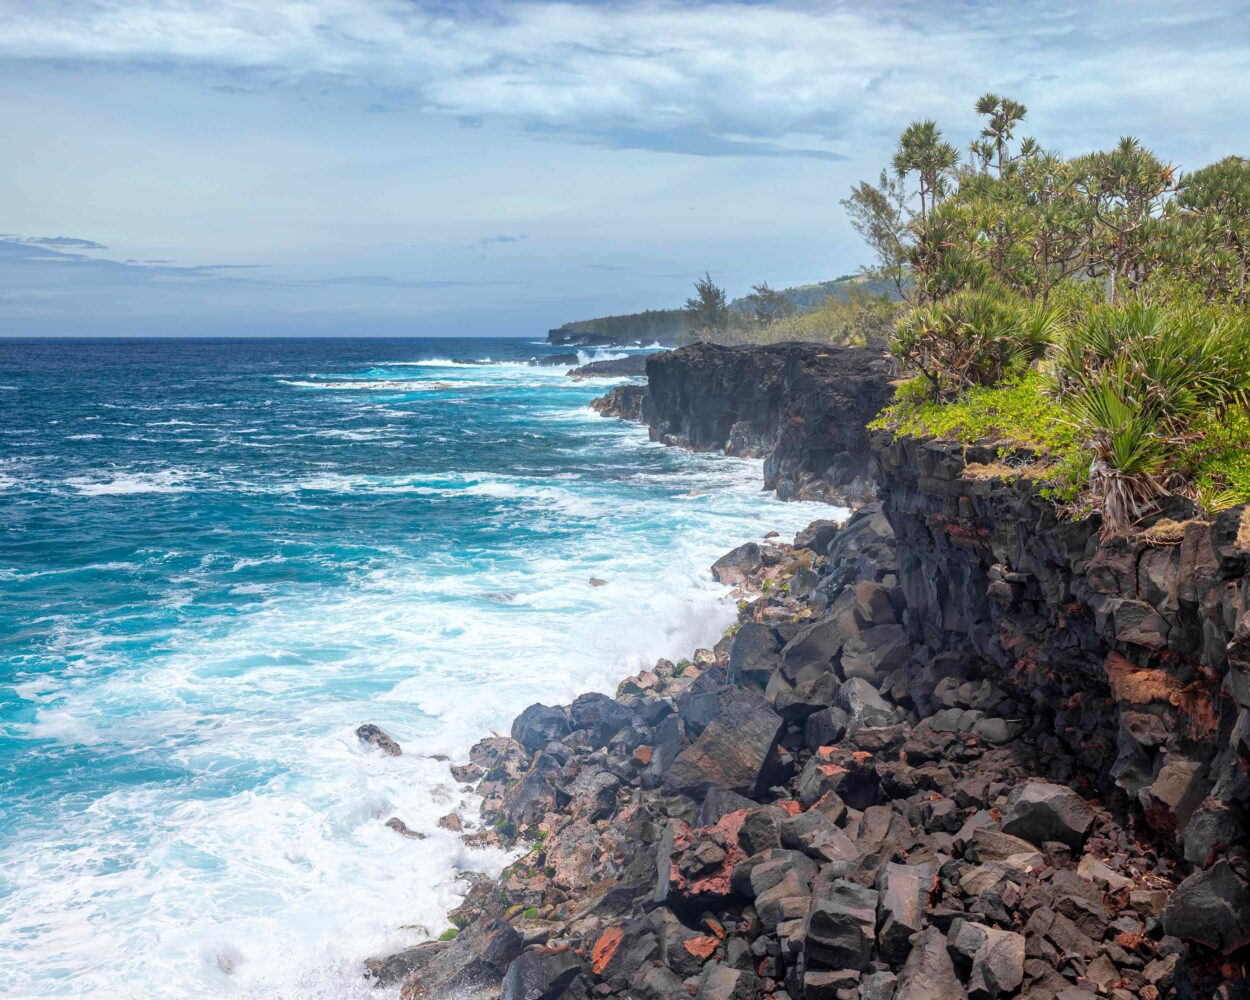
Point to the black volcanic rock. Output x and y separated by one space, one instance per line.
801 407
635 364
621 401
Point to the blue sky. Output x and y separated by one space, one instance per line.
384 167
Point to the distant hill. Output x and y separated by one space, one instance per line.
667 326
808 297
672 326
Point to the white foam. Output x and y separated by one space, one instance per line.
129 483
381 385
268 871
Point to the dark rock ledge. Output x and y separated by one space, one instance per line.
800 407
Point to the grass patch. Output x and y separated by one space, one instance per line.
1219 455
1019 417
449 935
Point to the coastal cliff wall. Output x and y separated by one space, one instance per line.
1135 653
800 407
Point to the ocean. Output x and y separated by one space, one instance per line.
218 558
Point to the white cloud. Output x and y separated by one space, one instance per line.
828 71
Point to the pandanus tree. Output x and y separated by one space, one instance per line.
923 152
1211 241
1002 116
1125 191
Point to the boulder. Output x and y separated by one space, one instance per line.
537 975
872 603
863 705
874 652
737 751
996 958
737 566
929 973
840 927
1175 793
600 715
818 837
904 892
1212 829
817 536
822 640
1040 811
375 736
753 656
1211 907
539 725
720 982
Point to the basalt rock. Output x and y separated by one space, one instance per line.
737 751
622 401
634 364
1040 811
375 736
801 407
539 725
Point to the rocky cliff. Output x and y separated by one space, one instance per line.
959 748
1134 653
800 407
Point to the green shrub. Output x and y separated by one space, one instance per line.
1219 456
975 337
449 934
1147 384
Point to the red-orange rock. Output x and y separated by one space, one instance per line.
603 950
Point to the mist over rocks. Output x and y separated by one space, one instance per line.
940 755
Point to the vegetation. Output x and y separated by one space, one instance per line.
708 309
856 310
650 325
1090 313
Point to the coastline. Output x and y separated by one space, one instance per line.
890 780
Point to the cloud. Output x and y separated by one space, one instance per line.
489 241
708 79
65 241
684 142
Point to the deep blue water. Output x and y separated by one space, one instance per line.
219 557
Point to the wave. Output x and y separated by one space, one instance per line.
126 484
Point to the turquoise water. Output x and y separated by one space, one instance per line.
218 558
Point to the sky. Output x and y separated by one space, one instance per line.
396 167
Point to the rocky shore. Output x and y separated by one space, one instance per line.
957 747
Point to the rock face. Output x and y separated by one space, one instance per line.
801 407
376 737
1134 652
634 364
621 401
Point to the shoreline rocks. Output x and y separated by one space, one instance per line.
760 821
954 747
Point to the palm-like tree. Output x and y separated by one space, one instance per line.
922 151
1004 115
